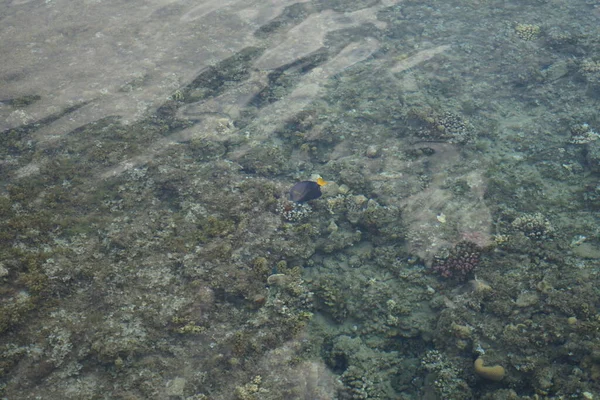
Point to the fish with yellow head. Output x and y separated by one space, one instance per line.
305 191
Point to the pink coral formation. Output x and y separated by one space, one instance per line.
459 261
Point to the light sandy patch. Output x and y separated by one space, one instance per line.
419 58
309 36
123 59
434 217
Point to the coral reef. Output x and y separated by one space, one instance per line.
292 211
453 255
459 262
493 373
534 226
444 378
365 369
527 32
445 126
590 71
582 134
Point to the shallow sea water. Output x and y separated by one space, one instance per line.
149 250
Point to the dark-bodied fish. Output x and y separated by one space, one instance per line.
305 191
